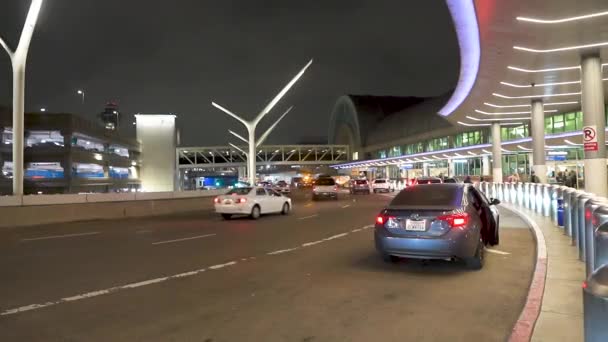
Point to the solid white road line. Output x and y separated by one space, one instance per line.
345 206
184 239
496 251
112 290
281 251
307 217
59 236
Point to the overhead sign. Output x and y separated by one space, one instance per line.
590 138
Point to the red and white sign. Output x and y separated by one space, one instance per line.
590 138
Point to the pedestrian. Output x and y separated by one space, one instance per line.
534 178
467 179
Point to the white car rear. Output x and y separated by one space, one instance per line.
252 201
325 187
382 185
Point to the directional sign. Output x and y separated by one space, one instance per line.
590 138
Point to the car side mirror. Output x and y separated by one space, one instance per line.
494 201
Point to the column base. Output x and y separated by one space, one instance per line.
541 172
497 175
596 174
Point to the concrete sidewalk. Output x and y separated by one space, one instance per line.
561 312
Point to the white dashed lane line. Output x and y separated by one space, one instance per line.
184 239
308 217
496 251
345 206
59 236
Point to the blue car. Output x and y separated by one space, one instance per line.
437 221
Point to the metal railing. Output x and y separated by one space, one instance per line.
583 217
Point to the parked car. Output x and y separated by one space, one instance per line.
265 184
382 185
325 187
360 185
252 201
437 221
282 187
426 180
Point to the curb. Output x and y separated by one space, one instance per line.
524 327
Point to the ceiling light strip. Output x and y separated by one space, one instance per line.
565 48
501 119
534 96
539 85
512 113
528 105
562 20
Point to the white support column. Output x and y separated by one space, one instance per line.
496 153
485 165
451 168
592 100
539 165
425 169
252 155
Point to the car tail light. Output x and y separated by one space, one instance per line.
335 188
380 219
455 220
314 188
241 200
216 200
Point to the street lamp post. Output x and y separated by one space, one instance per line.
81 93
251 125
18 62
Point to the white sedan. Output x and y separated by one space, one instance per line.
252 201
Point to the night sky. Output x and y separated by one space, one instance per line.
159 56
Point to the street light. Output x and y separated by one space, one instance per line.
81 92
43 109
251 125
18 62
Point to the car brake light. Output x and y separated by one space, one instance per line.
587 214
335 188
241 200
456 220
314 188
380 219
216 200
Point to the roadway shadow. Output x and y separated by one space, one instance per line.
373 262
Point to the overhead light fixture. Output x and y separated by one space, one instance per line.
572 143
501 119
505 150
562 20
575 67
539 84
436 157
511 113
486 151
534 96
557 153
524 148
560 49
471 153
473 125
529 105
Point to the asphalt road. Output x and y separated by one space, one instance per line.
311 276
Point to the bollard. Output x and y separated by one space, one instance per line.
532 197
494 192
583 215
520 194
553 204
595 305
547 200
560 213
601 245
598 209
574 217
526 187
567 211
539 198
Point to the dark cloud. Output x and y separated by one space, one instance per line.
176 56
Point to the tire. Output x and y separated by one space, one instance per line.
476 261
255 212
375 191
314 198
368 192
286 209
496 240
389 258
227 216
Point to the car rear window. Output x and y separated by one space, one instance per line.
379 181
432 195
239 191
325 181
361 181
449 180
429 181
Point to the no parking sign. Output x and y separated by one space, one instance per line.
590 138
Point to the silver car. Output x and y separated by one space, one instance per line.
437 221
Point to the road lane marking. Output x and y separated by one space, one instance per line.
496 251
281 251
59 236
184 239
307 217
356 230
308 204
112 290
345 206
337 236
308 244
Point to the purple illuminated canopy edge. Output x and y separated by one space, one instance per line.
467 31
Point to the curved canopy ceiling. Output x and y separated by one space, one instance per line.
518 50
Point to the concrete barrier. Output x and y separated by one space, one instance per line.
17 211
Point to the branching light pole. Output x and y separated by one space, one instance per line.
251 125
18 62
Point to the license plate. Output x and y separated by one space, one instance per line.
417 226
228 202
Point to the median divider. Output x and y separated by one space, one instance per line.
29 210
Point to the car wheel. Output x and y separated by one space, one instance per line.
314 198
476 261
375 191
497 233
389 258
227 216
255 212
286 209
368 192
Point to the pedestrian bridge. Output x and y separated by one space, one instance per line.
227 156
